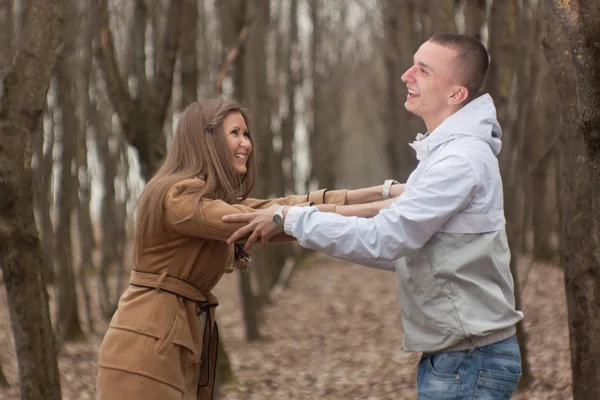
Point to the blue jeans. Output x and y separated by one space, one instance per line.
487 372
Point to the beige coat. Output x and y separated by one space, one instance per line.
156 347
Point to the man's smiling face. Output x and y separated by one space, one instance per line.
431 81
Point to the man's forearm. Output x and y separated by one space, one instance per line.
371 194
366 210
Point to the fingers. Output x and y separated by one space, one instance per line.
251 240
264 242
239 217
239 234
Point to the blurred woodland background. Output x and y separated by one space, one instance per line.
91 91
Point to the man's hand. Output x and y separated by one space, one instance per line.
260 225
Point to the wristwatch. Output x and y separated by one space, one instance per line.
387 184
278 217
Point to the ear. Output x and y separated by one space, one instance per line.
459 95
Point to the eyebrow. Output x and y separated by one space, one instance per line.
422 64
237 128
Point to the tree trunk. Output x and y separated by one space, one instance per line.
398 44
292 69
3 381
502 49
6 34
108 213
188 54
503 44
579 102
41 192
68 327
322 170
21 107
142 117
475 16
87 243
443 16
546 123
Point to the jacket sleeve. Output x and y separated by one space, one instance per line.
402 228
319 197
187 217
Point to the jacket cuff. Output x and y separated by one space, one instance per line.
290 219
325 196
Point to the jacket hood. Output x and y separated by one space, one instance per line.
476 119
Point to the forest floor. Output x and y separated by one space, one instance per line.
334 333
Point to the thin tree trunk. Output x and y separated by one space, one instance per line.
41 192
292 75
503 43
21 107
399 43
68 326
546 122
475 16
580 97
443 15
107 213
188 55
87 243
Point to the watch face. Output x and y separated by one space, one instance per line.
277 219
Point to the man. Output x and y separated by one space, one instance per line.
444 236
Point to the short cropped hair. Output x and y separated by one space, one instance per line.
472 56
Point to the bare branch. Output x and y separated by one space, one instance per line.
231 56
166 62
121 101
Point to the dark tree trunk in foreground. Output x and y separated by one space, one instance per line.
580 109
21 108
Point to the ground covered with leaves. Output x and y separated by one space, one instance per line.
334 333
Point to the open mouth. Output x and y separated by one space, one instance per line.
241 156
412 94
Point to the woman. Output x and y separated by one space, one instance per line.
161 342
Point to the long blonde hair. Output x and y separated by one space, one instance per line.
198 149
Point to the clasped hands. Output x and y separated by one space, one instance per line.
259 226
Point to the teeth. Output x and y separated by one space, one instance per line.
241 156
410 91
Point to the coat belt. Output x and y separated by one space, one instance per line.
206 304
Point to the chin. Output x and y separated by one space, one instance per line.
241 171
411 108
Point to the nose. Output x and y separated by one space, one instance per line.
245 141
408 75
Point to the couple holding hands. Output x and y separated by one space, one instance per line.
442 232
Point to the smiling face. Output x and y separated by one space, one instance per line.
433 92
238 140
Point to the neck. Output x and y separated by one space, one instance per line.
435 120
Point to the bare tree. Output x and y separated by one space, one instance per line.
142 116
68 325
322 166
22 102
443 12
86 239
188 56
475 17
580 112
399 48
293 70
503 44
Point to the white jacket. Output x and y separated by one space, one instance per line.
444 236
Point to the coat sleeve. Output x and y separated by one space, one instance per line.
319 197
203 219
